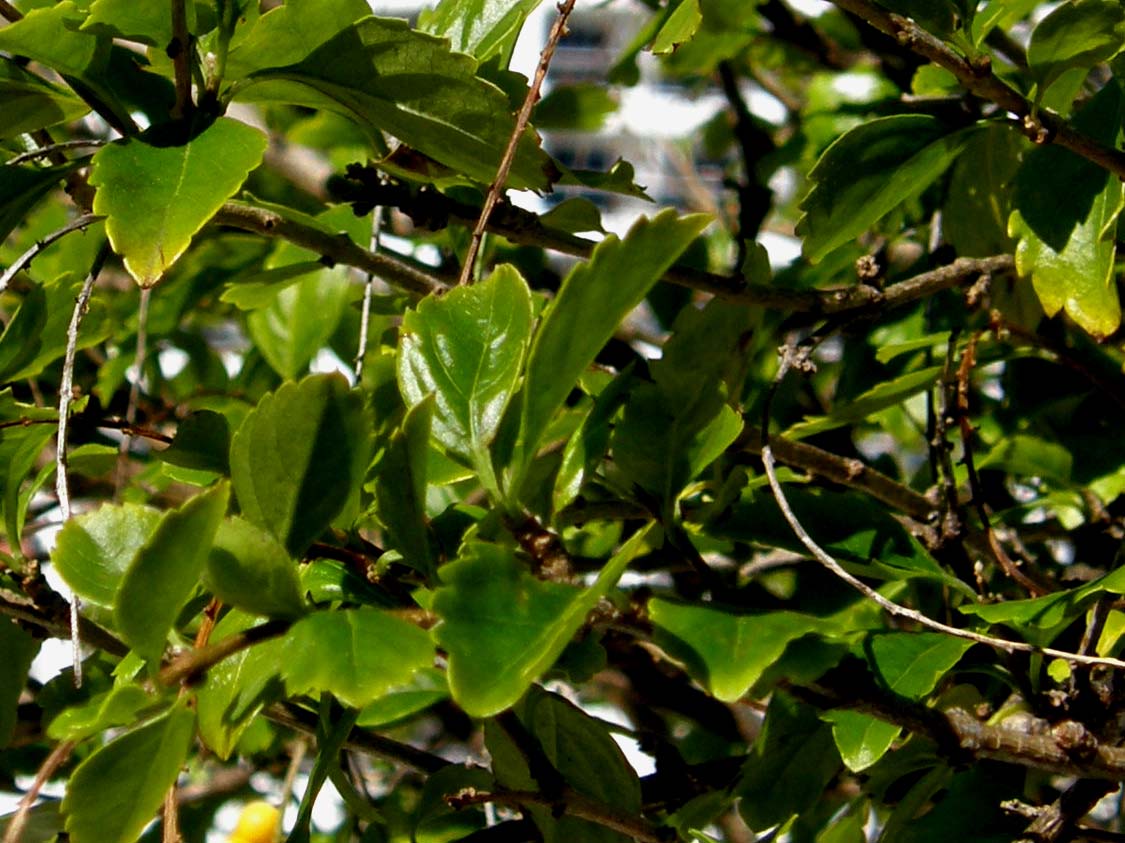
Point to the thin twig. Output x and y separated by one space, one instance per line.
1043 126
9 11
66 388
368 290
189 665
170 827
47 769
571 803
134 389
48 151
28 256
522 119
895 609
179 49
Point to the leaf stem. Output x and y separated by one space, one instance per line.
558 29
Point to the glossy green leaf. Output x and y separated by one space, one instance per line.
1000 14
94 549
299 456
860 738
119 706
503 628
400 488
21 188
19 648
202 442
679 27
726 652
156 198
31 103
869 171
481 28
1065 220
235 689
146 23
248 568
355 654
911 664
466 349
166 571
792 760
427 687
390 78
1079 33
593 300
116 791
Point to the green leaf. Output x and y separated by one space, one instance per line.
466 349
792 760
287 34
21 188
19 648
581 107
591 303
911 664
119 706
237 688
585 449
30 103
116 791
869 171
1079 33
400 488
503 628
146 23
202 443
861 739
94 549
166 571
1030 456
299 456
725 652
248 568
1065 219
679 27
425 688
574 215
974 218
156 198
481 28
390 78
355 654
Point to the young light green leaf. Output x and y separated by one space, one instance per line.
116 791
390 78
1079 33
356 654
911 664
725 652
503 628
869 171
678 28
248 568
156 198
466 349
19 648
1065 219
237 688
481 28
94 549
591 303
145 23
400 488
30 103
118 706
166 570
861 739
299 456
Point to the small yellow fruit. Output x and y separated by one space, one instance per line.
259 822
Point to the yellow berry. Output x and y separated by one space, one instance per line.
259 822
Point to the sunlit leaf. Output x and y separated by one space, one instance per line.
94 549
481 28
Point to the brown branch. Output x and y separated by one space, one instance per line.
188 666
360 740
50 150
977 77
558 29
9 11
572 803
57 625
47 769
179 50
338 248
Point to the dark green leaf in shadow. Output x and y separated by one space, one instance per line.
202 442
21 188
248 568
299 456
19 648
1080 33
31 103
